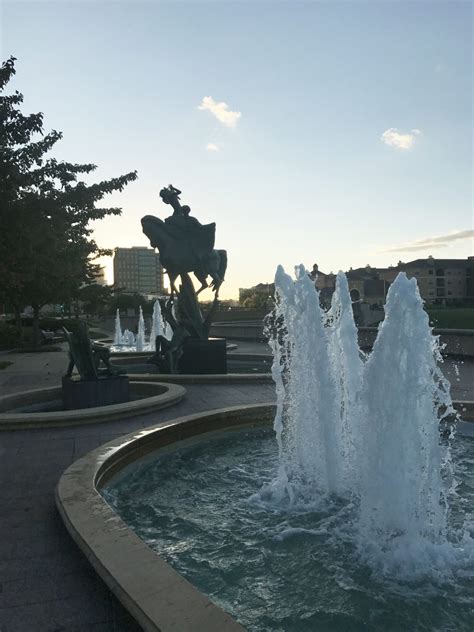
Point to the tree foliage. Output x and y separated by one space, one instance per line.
46 248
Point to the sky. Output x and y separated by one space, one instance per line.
337 133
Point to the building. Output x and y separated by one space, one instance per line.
440 281
139 270
364 285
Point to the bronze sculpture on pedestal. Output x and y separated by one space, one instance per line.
185 246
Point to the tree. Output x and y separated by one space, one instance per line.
96 298
46 249
124 301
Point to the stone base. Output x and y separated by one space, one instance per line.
203 357
91 393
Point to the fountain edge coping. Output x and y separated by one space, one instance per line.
205 378
168 395
158 597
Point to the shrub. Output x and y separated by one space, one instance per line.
9 336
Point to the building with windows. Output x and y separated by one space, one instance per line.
440 281
138 269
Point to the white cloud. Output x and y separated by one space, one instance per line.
212 147
394 138
220 111
432 243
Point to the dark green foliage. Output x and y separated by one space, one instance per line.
95 297
451 317
56 324
46 249
129 301
9 336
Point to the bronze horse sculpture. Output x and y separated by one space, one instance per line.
185 245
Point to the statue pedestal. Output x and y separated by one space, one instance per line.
91 393
203 357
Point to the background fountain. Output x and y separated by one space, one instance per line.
127 342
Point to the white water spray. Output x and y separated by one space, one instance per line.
118 329
140 339
369 429
156 326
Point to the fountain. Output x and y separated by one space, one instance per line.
127 342
359 515
367 428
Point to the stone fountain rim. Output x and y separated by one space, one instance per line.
167 394
157 596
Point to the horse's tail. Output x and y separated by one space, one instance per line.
222 264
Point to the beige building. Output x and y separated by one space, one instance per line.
440 281
364 284
138 269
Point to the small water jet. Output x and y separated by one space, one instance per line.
127 342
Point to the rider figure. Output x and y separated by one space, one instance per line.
188 230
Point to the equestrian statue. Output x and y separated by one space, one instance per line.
185 246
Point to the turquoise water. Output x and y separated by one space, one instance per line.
202 508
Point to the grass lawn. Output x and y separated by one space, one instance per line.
452 317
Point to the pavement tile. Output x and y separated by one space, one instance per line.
76 611
37 617
82 582
24 568
26 591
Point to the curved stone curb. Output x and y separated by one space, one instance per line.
155 396
212 378
158 597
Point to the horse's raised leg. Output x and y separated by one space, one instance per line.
202 280
204 285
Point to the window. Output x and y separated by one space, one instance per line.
430 271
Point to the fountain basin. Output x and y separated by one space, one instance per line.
42 407
155 594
